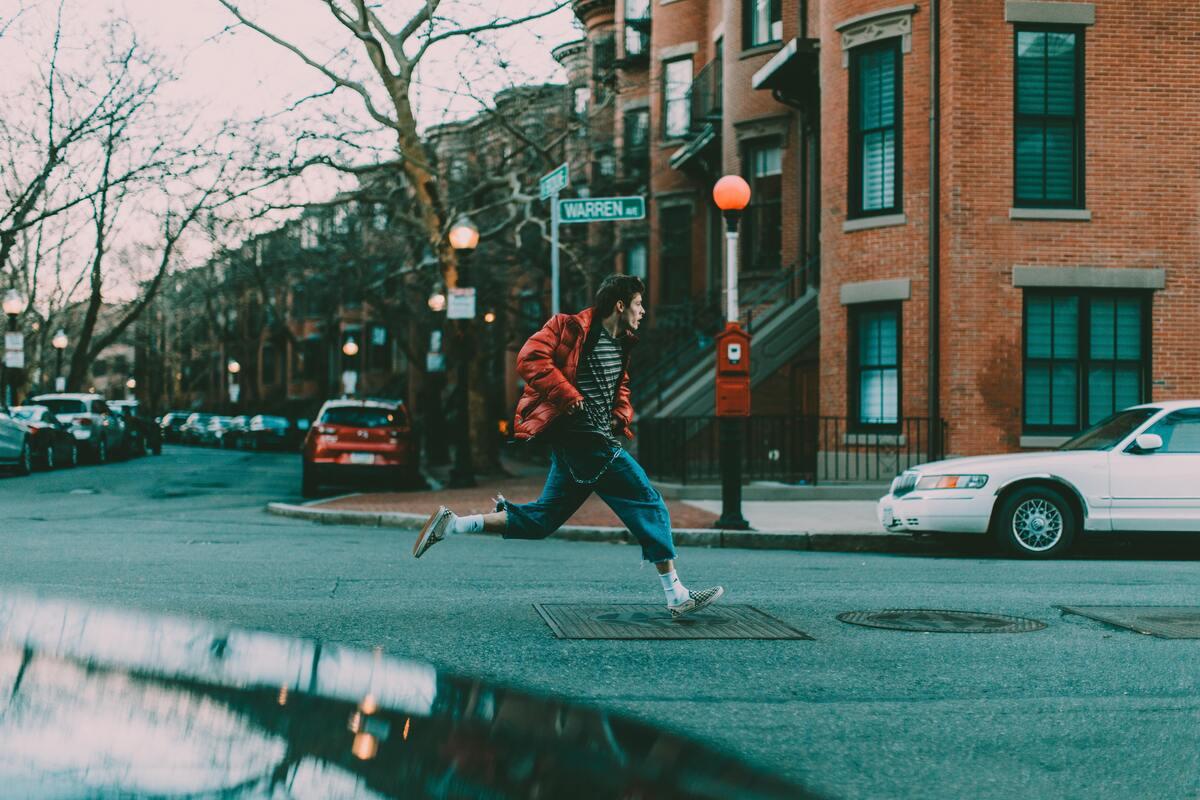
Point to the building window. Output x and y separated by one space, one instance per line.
762 23
637 28
677 84
1085 358
606 165
581 96
635 259
310 233
675 264
875 143
875 360
762 229
1048 125
637 143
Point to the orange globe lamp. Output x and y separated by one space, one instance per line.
731 193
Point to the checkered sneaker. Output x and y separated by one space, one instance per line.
696 601
433 531
500 501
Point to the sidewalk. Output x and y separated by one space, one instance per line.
847 525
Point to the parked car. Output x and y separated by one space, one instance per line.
210 435
142 434
1137 470
191 431
171 423
360 441
266 432
232 436
90 420
50 440
16 449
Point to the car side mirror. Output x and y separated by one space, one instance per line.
1148 442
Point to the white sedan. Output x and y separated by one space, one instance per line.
1138 470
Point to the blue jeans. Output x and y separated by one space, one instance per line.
623 486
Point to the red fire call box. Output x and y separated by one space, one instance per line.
733 371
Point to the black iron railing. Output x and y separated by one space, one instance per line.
787 448
705 95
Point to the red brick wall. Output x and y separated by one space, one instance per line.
1142 119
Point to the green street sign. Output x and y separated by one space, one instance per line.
601 209
552 182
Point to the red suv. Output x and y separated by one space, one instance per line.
360 441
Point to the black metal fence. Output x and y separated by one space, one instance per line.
789 449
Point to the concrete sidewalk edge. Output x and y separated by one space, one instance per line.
689 537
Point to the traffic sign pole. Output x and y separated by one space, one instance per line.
554 277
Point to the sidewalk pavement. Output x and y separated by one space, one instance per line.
845 525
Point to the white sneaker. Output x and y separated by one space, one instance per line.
433 531
696 601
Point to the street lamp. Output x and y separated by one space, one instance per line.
235 388
732 194
130 384
349 376
464 238
60 343
14 343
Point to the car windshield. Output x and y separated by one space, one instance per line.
270 422
28 413
1106 433
357 417
62 406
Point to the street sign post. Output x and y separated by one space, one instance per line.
14 350
460 303
549 186
601 209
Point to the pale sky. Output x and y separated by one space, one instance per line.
239 75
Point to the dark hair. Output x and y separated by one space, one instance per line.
614 289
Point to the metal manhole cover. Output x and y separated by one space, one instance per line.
940 621
638 621
1165 622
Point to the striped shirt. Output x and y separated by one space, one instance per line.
598 377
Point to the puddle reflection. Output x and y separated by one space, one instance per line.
98 703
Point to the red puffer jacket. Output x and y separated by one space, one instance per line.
549 362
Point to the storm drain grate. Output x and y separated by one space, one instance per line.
579 621
925 620
1165 622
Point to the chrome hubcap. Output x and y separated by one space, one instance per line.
1037 525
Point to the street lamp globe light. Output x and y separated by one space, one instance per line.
464 235
131 384
60 340
437 302
350 348
234 367
14 303
731 194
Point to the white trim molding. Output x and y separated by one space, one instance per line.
1089 277
1049 13
876 291
882 24
1063 214
878 221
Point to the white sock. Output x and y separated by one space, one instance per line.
676 593
471 524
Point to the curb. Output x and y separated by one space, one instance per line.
687 537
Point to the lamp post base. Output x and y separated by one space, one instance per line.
731 476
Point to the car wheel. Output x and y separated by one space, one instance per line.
50 457
1036 522
308 482
25 460
102 452
73 459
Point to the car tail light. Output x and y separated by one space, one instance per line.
327 429
83 421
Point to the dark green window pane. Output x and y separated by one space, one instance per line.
1060 73
1103 329
1037 395
877 89
1129 328
1100 393
877 339
1066 327
1059 157
879 170
1037 327
1031 72
1064 389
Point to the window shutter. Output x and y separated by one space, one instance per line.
877 118
1046 147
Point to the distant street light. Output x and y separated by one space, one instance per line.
14 306
464 238
235 388
60 342
349 376
731 194
131 384
437 302
489 317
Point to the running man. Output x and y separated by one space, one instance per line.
577 396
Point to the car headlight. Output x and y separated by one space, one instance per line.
952 482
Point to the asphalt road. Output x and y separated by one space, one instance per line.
1079 709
